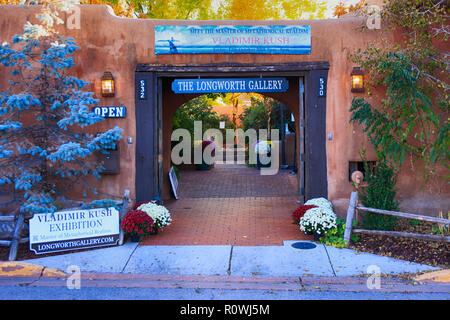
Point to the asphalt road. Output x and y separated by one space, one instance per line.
102 293
104 286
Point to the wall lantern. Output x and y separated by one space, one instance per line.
357 80
108 84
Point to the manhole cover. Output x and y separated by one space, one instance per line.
303 245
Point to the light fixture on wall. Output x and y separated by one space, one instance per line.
108 88
357 76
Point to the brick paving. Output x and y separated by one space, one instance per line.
234 181
231 205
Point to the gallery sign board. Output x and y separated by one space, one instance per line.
266 39
230 85
74 229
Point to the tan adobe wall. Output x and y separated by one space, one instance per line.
110 43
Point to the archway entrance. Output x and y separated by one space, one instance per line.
155 104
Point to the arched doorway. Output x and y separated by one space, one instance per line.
156 103
234 123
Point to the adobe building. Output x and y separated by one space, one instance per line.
319 96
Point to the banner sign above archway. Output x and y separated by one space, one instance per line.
230 85
269 39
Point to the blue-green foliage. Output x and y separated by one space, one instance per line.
43 148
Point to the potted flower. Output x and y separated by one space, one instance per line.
318 221
139 203
320 202
158 213
262 148
137 224
300 212
208 161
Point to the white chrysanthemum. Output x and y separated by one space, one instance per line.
320 202
318 220
158 213
262 147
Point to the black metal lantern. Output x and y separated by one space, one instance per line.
357 76
108 88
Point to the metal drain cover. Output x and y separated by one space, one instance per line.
303 245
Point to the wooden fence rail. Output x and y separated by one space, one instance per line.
353 207
19 222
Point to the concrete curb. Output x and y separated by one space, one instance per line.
23 269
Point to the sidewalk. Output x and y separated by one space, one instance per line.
133 271
226 260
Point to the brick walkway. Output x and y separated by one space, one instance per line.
231 205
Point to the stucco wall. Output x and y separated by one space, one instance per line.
110 43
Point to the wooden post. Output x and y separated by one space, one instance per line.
350 214
123 211
16 237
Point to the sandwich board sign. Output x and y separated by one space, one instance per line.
173 182
74 229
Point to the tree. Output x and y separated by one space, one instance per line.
216 10
162 9
199 109
264 113
412 121
275 10
45 149
341 9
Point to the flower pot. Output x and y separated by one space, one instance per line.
259 164
203 166
317 236
135 238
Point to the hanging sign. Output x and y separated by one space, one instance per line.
111 111
275 39
230 85
74 229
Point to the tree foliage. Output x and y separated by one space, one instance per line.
199 109
380 193
163 9
413 118
217 10
342 9
264 113
45 148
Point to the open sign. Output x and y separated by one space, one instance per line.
111 112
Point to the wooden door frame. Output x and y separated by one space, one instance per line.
312 122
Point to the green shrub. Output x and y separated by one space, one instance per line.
335 237
379 193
